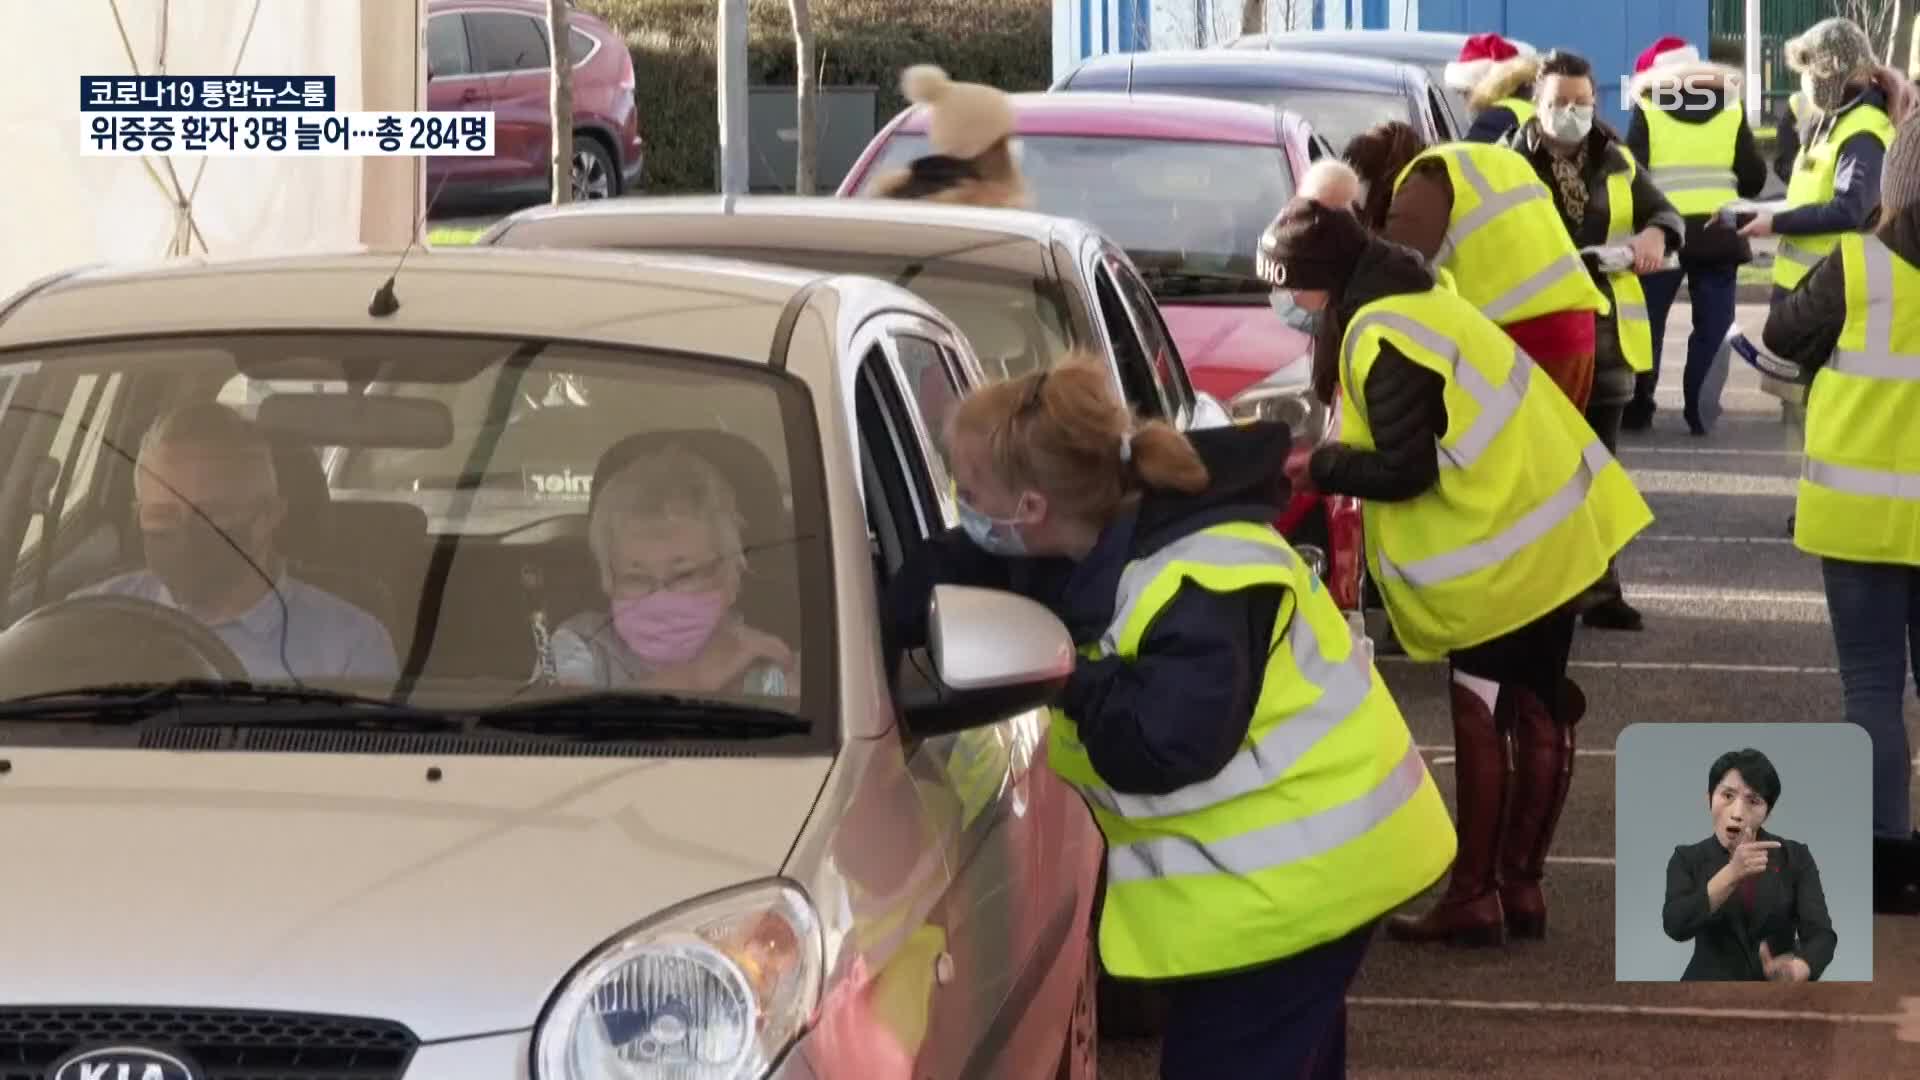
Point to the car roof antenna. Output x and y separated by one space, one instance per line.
385 301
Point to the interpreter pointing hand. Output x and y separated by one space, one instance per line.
1749 857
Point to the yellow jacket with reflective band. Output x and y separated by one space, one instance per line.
1521 108
1629 299
1325 820
1529 505
1814 183
1693 163
1860 481
1508 250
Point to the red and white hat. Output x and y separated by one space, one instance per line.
1666 52
1478 56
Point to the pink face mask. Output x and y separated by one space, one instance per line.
664 628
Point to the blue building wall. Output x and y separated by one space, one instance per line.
1611 33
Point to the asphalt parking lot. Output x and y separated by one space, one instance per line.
1736 632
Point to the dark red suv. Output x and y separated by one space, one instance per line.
493 55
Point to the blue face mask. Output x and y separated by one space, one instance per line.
990 534
1291 313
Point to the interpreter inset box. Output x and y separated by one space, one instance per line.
1743 853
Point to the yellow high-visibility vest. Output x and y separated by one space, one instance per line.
1631 320
1324 821
1529 506
1508 250
1521 108
1693 163
1859 495
1814 178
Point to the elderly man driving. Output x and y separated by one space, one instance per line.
208 503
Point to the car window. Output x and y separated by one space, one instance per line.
75 449
581 45
447 47
1129 354
1163 359
1337 114
930 384
1442 116
905 479
503 42
466 471
1173 205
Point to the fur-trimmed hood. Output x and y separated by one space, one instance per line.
1507 78
991 194
1699 74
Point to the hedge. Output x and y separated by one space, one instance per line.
1006 43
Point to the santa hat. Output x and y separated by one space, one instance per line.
1478 56
964 119
1666 52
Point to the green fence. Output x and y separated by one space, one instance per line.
1780 20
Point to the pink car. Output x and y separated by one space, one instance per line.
1184 186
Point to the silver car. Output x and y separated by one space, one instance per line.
473 862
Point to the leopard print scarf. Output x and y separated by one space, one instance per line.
1569 174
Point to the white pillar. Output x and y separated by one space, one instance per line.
1754 101
732 59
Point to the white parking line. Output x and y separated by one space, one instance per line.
1690 451
1737 596
1665 665
1578 751
1906 1023
1581 860
1683 482
1681 538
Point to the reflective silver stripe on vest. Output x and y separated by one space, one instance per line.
1275 845
1491 205
1498 404
1343 686
1877 360
1695 178
1794 251
1626 311
1853 480
1532 526
1513 298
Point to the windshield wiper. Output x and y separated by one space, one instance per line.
225 704
1202 283
615 716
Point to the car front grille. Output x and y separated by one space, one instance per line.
226 1044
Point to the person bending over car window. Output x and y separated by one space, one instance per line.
208 503
665 533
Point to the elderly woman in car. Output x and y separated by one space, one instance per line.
665 535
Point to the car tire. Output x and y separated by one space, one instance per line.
595 176
1080 1053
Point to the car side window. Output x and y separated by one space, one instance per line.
76 451
1163 356
1129 352
504 42
905 469
1442 117
580 45
930 385
447 53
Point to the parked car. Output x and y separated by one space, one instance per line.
1429 50
464 871
1185 187
494 56
1339 96
1025 288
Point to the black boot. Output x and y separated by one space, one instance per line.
1896 875
1638 415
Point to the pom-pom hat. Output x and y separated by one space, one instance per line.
1667 52
1478 55
964 119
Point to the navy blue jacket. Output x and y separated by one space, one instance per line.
1180 710
1491 124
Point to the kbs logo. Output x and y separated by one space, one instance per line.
1677 92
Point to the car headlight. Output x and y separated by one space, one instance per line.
715 989
1290 403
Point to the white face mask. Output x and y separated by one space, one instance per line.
1568 123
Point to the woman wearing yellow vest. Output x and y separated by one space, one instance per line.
1500 112
1263 801
1836 175
1689 131
1853 323
1490 506
1605 200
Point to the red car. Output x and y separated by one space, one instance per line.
493 55
1184 186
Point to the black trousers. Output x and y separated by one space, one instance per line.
1283 1021
1534 656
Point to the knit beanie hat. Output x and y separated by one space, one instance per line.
1832 53
1668 50
1310 246
964 119
1478 55
1900 170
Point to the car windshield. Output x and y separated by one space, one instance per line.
1017 323
382 513
1173 205
1336 115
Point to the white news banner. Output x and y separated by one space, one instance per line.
307 134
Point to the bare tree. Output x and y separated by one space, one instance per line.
1876 17
1287 13
1900 35
1253 17
1196 24
560 114
806 146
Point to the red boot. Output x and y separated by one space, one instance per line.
1543 771
1469 912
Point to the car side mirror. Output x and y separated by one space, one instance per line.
994 654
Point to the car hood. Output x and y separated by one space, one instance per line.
357 885
1228 347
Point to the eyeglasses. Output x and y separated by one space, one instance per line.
693 579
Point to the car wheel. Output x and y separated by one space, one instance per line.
594 176
1080 1055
